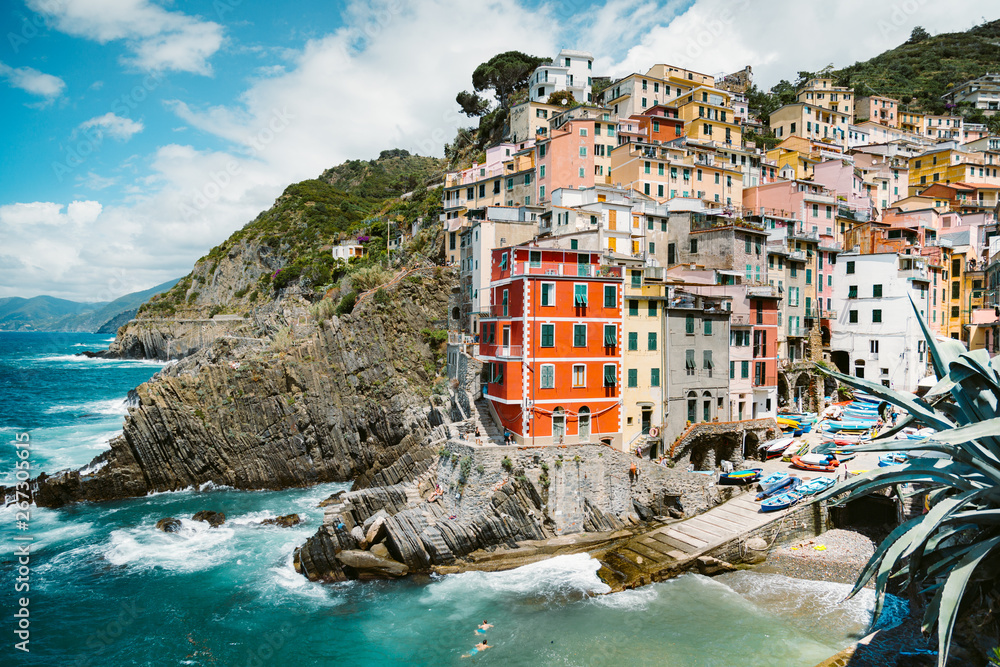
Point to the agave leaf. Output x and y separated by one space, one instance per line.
906 421
932 520
969 453
991 517
954 590
919 470
915 406
977 383
890 560
942 352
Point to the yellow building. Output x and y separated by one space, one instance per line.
911 122
663 172
643 358
811 122
708 116
822 93
953 165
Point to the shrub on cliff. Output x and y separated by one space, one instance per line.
346 305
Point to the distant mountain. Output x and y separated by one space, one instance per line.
47 313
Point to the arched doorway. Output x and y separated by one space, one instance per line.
801 398
692 406
782 390
830 388
706 411
751 445
558 425
584 428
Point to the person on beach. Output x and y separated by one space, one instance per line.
506 436
484 627
476 649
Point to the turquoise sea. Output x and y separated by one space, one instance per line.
107 588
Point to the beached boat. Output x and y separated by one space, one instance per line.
816 462
775 448
796 449
856 425
816 485
840 438
892 459
774 483
780 502
740 476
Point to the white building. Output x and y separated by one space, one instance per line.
876 335
983 93
570 70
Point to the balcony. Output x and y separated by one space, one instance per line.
739 320
798 332
565 269
914 274
765 291
829 314
503 351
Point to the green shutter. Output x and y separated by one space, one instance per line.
579 335
610 296
633 377
689 359
732 370
651 309
744 369
654 377
689 324
708 327
548 335
609 376
633 307
633 340
652 340
707 361
580 295
610 335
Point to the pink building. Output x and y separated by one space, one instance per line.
566 159
881 110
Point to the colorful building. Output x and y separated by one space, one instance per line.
551 346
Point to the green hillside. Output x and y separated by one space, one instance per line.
925 69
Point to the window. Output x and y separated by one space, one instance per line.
876 315
633 377
708 327
610 375
873 346
503 262
633 307
504 302
732 370
689 325
548 335
694 245
535 258
689 361
654 377
876 291
548 378
706 361
548 294
954 311
633 340
744 369
579 375
809 276
610 335
636 278
651 308
956 286
652 248
583 151
850 267
852 292
579 335
498 374
852 316
651 343
579 295
610 296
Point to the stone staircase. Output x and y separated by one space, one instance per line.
481 417
436 546
412 489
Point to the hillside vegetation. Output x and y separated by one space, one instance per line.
290 243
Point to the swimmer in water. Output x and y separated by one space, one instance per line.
484 627
476 649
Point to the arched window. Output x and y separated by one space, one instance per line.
706 414
584 424
692 406
558 425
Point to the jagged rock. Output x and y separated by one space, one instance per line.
286 521
213 519
376 531
711 566
316 559
380 550
381 514
366 565
168 525
359 536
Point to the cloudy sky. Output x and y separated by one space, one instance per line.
137 134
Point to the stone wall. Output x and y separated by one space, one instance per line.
707 444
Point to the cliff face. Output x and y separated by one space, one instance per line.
323 401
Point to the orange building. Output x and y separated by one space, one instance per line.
551 346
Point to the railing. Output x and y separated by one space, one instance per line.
496 311
798 332
807 236
913 274
739 320
829 314
493 350
762 291
565 269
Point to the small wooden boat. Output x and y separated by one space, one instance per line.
844 455
816 462
850 425
816 485
774 448
842 439
740 476
892 459
773 483
797 449
780 502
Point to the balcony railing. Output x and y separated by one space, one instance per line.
739 320
508 351
913 274
762 291
565 269
798 332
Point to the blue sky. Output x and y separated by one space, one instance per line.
137 134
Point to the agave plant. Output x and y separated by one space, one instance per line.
941 551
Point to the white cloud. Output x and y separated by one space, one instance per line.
93 181
158 39
721 36
32 81
114 126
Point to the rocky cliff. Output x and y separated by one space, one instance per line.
317 401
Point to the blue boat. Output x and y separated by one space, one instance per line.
784 487
892 459
816 485
784 501
849 425
741 476
773 483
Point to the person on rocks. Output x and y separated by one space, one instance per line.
479 439
507 436
476 649
633 472
484 627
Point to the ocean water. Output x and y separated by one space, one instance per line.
107 588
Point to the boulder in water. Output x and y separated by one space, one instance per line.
286 521
709 566
756 550
213 519
367 565
168 525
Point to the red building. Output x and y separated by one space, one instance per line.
551 345
764 320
